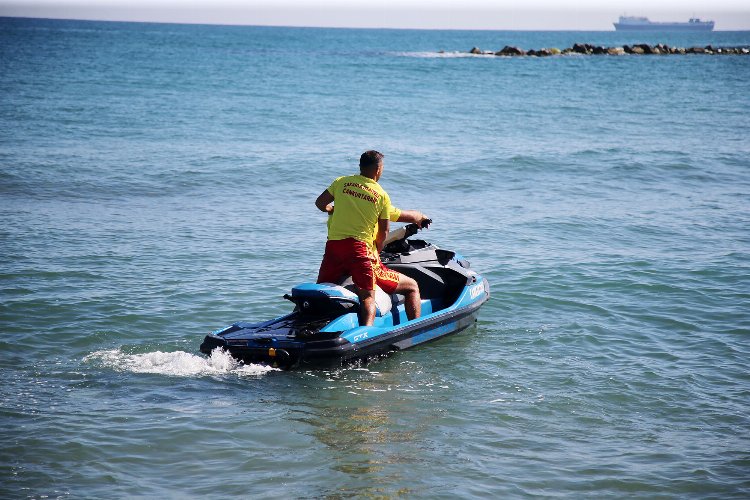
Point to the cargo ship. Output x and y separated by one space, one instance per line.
633 23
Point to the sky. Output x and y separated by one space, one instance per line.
426 14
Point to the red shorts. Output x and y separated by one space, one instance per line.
353 257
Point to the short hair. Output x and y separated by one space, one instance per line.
370 159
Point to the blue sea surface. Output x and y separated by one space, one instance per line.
157 182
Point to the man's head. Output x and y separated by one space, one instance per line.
371 164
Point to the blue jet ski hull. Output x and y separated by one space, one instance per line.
323 330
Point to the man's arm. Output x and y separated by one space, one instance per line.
324 202
382 233
414 216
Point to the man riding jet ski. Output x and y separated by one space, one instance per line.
359 210
359 308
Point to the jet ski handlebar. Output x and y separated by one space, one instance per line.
406 231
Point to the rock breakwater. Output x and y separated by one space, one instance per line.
636 49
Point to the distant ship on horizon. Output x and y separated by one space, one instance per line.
634 23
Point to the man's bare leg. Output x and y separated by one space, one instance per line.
410 290
366 307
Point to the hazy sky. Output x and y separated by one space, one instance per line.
450 14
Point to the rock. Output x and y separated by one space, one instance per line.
641 48
510 51
646 48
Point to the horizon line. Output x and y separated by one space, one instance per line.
98 20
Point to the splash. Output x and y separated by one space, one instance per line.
178 363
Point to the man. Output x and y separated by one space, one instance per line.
357 229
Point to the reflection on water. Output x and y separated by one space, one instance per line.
365 420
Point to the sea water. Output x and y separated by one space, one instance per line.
157 182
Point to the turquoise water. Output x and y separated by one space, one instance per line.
157 182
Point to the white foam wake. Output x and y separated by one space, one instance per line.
178 363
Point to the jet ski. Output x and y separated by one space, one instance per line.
323 329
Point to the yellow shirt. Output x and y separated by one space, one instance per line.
359 202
